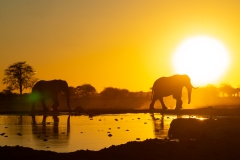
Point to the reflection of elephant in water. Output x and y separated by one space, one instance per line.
51 130
43 90
158 124
166 86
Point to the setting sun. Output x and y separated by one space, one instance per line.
203 58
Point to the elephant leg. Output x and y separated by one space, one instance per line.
152 103
44 119
33 119
178 104
162 103
45 109
55 103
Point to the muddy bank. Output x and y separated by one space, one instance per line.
148 149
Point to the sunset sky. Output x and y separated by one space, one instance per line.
114 43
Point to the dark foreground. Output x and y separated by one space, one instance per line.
149 149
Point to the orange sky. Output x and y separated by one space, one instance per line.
119 43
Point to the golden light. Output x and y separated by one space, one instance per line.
203 58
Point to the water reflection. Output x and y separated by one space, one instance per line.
58 133
161 124
50 131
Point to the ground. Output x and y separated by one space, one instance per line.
149 149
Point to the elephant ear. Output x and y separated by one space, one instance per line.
64 86
186 80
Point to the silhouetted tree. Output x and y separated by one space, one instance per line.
8 90
237 90
7 94
227 89
211 90
72 91
85 90
111 92
19 76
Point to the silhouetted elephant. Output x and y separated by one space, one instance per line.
44 90
166 86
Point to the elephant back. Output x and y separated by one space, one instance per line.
46 88
164 84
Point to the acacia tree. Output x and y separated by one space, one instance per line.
19 76
85 89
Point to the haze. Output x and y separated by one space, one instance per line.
124 44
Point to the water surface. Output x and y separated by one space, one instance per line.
64 133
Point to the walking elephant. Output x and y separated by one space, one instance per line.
44 90
166 86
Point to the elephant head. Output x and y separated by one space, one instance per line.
62 85
185 81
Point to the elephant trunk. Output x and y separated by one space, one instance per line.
67 92
189 88
68 95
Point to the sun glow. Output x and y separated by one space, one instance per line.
203 58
